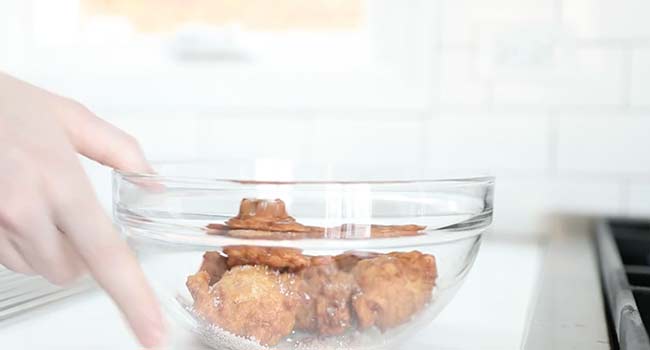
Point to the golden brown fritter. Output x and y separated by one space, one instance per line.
249 301
215 265
325 292
348 260
361 231
381 231
266 215
216 229
269 291
264 219
393 288
274 257
272 235
268 219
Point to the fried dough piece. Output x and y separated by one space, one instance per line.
215 265
249 301
348 260
266 215
382 231
273 235
349 231
264 219
275 257
268 219
326 292
393 287
372 231
216 229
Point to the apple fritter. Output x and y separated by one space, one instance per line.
250 301
215 265
325 306
392 288
274 257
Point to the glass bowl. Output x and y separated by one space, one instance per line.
256 259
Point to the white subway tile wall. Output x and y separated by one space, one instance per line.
638 199
573 76
606 19
398 143
603 145
277 136
552 96
526 204
488 143
639 77
463 20
459 81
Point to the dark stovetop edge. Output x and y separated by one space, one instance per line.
628 325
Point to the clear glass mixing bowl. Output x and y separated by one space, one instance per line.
250 259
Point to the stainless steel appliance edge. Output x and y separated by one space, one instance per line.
569 312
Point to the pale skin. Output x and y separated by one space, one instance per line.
50 221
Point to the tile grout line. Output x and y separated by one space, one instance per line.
489 95
552 145
434 109
625 197
558 13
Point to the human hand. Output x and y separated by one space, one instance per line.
50 221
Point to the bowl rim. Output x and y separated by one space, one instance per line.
190 236
479 179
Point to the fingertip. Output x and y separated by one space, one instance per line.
146 322
131 159
152 336
105 143
141 164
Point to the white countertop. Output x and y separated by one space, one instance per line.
491 311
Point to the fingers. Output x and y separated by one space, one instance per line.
101 141
50 221
31 243
11 258
18 208
108 258
51 255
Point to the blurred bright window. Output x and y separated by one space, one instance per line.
265 15
214 54
279 32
